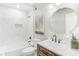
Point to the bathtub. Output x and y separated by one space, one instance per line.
11 51
17 52
15 49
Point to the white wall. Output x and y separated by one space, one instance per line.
12 36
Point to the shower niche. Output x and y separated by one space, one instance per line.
18 25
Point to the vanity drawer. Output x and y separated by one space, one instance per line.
41 54
45 51
41 51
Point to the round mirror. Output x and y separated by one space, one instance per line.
63 21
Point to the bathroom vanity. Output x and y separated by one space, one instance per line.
42 51
51 48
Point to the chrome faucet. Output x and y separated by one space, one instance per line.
54 38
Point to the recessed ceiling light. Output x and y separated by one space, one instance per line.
18 5
58 3
50 6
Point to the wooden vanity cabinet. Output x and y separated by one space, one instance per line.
42 51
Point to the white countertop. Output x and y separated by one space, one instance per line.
61 49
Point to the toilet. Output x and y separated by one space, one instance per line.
29 51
